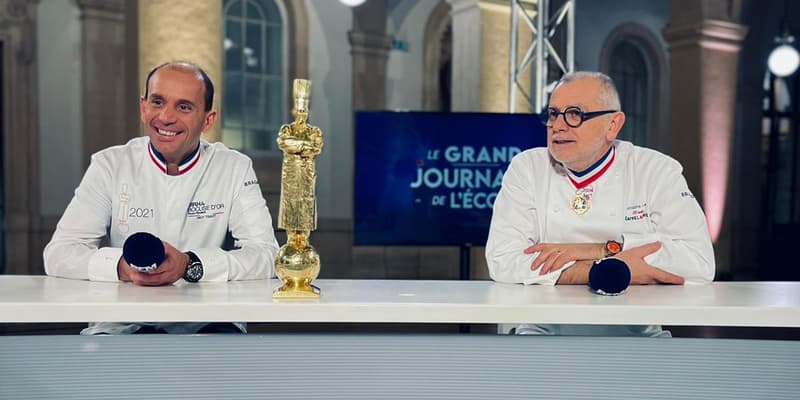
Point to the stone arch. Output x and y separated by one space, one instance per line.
658 75
438 23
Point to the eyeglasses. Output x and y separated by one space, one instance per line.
573 116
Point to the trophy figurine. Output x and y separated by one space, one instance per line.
297 263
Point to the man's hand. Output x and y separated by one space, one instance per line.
555 255
643 273
168 272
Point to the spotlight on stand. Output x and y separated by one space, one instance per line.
784 58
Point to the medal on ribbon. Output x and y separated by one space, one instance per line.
582 200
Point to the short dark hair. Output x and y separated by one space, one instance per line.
209 86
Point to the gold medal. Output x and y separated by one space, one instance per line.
582 201
580 204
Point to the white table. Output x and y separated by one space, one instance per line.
396 366
48 299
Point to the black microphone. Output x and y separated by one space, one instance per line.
609 276
143 251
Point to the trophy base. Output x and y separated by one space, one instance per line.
296 291
296 267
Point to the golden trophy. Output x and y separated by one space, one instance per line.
297 263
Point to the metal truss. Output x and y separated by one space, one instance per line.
541 50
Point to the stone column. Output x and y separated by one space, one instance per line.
23 246
704 41
370 47
105 99
466 71
481 37
183 30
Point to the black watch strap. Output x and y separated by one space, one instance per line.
194 270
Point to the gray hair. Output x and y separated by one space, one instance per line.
608 97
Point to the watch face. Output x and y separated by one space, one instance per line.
194 272
613 247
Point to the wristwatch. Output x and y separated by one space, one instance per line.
194 271
612 247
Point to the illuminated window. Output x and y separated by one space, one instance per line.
253 74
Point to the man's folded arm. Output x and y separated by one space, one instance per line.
73 251
515 227
681 228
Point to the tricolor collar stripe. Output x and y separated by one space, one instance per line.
580 175
587 179
157 160
190 162
187 164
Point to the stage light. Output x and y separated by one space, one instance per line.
784 59
352 3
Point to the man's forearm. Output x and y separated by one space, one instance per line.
577 274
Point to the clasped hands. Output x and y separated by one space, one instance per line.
554 255
168 272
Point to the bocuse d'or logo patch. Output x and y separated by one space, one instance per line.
200 210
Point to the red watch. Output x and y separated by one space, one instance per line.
612 247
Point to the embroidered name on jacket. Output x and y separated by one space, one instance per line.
636 212
200 210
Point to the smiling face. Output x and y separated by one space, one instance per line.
579 148
173 112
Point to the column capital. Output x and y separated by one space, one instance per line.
17 20
15 10
370 42
111 10
115 6
459 6
715 34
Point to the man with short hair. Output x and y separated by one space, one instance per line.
588 196
186 191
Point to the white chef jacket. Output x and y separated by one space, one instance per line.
642 198
126 190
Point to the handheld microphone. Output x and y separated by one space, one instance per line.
143 251
609 276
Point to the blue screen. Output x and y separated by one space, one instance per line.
425 178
